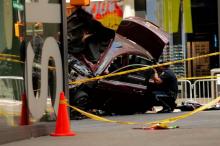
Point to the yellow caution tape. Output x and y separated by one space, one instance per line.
142 69
6 113
164 121
9 55
196 78
63 101
10 60
18 61
159 126
98 118
174 119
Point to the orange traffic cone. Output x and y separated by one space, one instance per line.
24 120
63 122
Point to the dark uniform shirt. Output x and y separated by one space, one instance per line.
169 82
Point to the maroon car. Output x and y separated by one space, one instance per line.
96 50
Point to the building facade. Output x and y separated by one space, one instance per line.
32 48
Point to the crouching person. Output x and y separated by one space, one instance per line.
163 88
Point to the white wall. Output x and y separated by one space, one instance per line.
128 8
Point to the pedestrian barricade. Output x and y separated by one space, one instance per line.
205 90
184 91
201 91
11 91
11 87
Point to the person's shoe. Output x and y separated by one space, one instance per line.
165 110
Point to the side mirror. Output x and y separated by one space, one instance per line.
80 2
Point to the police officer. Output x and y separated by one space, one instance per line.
164 88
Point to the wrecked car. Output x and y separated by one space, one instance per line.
95 50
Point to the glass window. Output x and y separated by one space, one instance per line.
11 72
11 25
129 62
39 26
19 27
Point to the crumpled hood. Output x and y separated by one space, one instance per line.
144 33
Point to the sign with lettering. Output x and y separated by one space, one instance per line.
109 13
37 106
43 12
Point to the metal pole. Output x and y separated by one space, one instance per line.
183 35
64 50
218 7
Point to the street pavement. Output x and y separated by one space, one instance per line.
201 129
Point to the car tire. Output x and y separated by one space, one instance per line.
82 101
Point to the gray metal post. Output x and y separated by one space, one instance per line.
218 1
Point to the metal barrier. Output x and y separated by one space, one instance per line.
184 91
205 90
11 87
201 91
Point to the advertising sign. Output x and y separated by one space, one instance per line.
109 13
48 46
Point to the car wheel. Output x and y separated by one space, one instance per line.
82 101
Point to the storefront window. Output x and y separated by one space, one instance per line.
39 26
11 72
21 23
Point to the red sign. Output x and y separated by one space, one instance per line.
109 13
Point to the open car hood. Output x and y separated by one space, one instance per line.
144 33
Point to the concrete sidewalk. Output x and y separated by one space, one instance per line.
202 129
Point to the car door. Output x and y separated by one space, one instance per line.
128 84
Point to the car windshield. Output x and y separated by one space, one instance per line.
128 67
127 62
